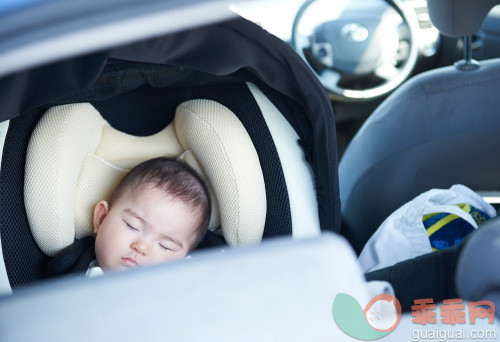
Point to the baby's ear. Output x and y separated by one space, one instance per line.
100 212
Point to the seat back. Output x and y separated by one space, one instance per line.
438 129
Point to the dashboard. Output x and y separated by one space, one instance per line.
277 17
361 50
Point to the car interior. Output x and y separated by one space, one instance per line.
410 140
308 138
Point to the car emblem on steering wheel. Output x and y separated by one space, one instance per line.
355 32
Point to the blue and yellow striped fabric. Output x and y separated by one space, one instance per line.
446 230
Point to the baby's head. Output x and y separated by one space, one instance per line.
158 212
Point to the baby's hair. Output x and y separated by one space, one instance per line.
177 179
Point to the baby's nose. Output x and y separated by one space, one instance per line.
140 247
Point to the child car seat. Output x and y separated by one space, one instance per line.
136 88
75 159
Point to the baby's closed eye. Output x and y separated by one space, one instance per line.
165 246
129 226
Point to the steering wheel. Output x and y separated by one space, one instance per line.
359 49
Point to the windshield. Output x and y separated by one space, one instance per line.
9 5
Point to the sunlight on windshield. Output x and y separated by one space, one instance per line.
274 16
320 12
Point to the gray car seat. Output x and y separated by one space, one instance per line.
438 129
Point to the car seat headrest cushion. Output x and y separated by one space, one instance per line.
75 159
223 148
59 144
456 18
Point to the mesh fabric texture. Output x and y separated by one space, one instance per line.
232 166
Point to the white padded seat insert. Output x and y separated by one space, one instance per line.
75 159
219 142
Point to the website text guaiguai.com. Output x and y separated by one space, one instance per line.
443 335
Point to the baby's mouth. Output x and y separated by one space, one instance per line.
129 262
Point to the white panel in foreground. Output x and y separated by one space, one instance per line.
282 290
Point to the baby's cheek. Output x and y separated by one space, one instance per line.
170 256
104 252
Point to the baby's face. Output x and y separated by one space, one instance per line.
148 228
